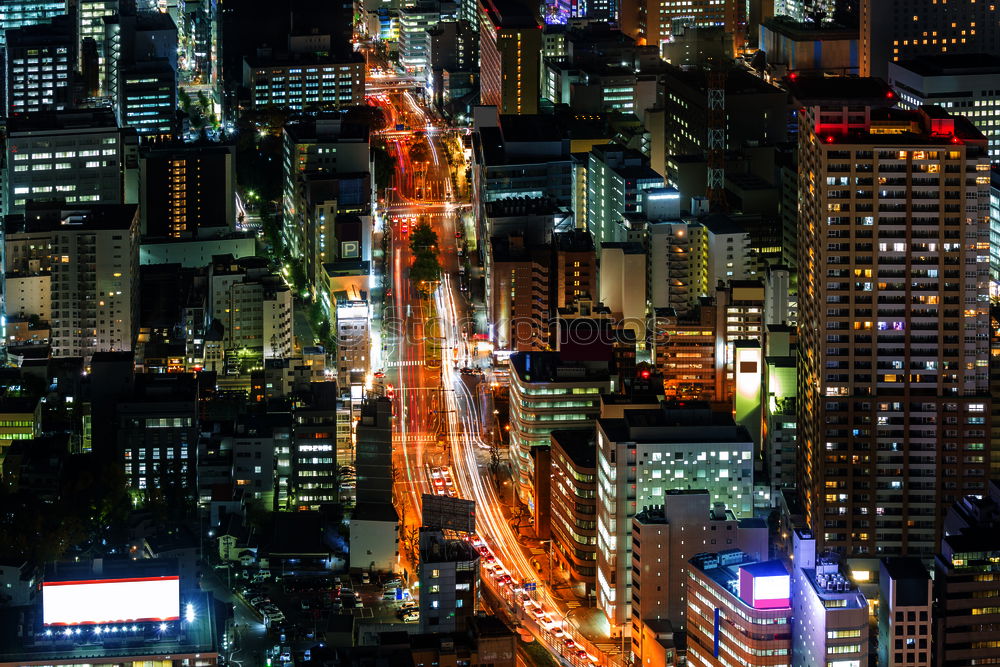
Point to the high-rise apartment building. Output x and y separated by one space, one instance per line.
893 358
79 157
92 275
187 191
510 56
19 13
897 30
38 67
316 463
642 456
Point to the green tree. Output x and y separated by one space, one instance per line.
425 270
423 239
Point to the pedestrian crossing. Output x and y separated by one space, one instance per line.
399 364
413 438
572 604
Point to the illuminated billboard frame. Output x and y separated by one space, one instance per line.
765 585
98 601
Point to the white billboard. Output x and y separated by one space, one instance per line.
111 601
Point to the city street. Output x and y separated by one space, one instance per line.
437 411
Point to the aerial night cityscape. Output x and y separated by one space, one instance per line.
500 333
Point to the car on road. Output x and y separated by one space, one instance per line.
557 631
504 579
366 578
411 617
538 612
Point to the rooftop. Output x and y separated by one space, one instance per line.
63 121
685 422
53 217
808 30
952 64
578 444
549 367
839 90
264 60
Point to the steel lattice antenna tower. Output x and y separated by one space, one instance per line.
715 191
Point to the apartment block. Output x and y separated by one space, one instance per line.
187 191
893 392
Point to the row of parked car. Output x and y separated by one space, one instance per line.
263 605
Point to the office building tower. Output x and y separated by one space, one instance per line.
893 31
665 537
73 156
617 177
904 613
158 434
147 99
894 340
374 451
414 42
573 497
549 393
305 81
794 47
187 191
449 582
38 67
829 612
90 16
650 22
756 112
140 71
89 279
643 455
316 457
963 84
966 587
510 49
320 149
739 611
800 10
19 13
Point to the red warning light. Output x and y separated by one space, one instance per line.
829 139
